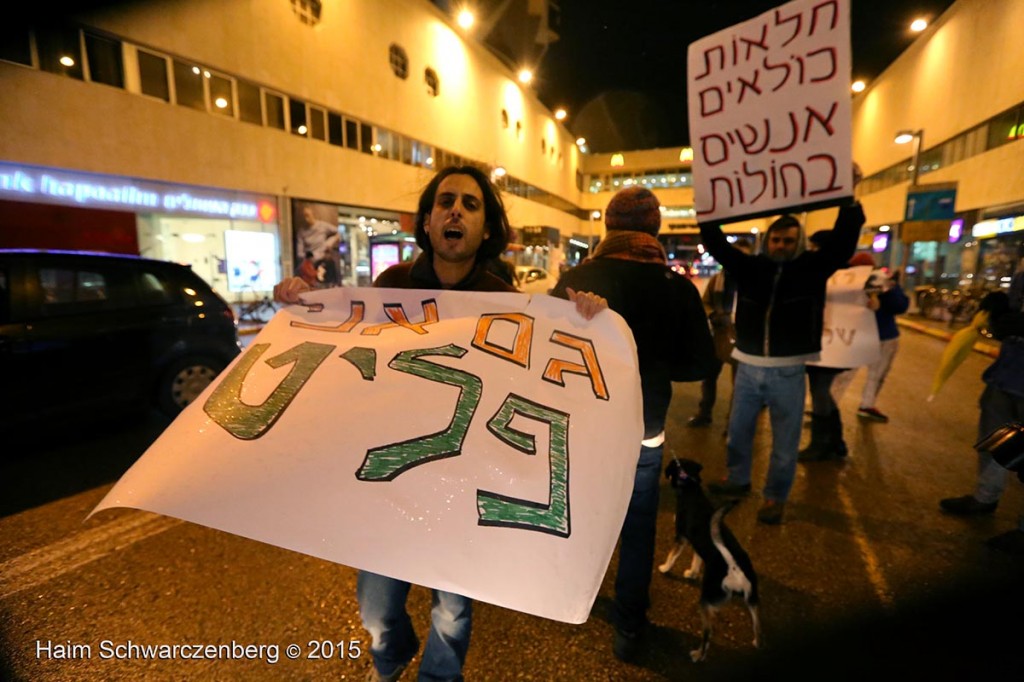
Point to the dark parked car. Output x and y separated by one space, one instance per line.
94 334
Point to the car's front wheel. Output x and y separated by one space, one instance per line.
183 380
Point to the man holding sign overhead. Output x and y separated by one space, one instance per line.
770 122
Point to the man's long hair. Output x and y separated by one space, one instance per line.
495 220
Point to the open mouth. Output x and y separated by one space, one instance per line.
453 232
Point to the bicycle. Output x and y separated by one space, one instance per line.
259 311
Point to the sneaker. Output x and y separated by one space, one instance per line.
727 489
698 420
968 505
872 414
771 512
374 676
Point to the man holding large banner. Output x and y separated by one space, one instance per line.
770 117
445 432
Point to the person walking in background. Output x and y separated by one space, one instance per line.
1001 403
673 342
719 301
887 299
779 309
460 225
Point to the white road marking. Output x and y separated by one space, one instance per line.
54 560
871 562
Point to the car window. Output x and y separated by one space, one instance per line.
70 290
155 289
5 296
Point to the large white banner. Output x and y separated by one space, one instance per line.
484 444
849 336
769 112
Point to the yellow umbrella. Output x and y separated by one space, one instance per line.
957 350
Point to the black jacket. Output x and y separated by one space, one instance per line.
780 306
419 274
665 314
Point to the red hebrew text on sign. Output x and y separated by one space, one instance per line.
770 112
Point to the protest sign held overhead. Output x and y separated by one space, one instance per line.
478 443
769 111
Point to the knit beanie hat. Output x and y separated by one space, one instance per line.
633 208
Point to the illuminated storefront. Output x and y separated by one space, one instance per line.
231 239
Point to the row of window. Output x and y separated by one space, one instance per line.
400 67
86 55
652 179
995 132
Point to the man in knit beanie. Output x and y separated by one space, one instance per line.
664 311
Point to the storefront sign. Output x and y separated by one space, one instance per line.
769 109
990 228
931 202
48 185
484 444
924 231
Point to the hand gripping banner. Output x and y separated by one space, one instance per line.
478 443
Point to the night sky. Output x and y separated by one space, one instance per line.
619 66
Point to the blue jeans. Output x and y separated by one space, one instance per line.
636 544
782 389
382 608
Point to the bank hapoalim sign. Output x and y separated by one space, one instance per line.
769 113
479 443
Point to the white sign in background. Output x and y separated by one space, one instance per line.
769 112
483 444
850 333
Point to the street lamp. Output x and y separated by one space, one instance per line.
905 136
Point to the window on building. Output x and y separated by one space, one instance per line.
504 120
406 151
351 133
188 86
60 51
249 109
153 75
308 11
317 123
334 131
399 61
16 45
433 84
1003 128
366 138
519 130
385 143
543 146
273 105
105 62
297 117
222 94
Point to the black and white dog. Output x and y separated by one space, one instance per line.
727 568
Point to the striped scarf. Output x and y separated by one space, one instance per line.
631 245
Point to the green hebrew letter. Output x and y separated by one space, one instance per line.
501 510
248 422
387 462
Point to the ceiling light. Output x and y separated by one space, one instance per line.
67 61
221 103
560 114
465 19
858 86
525 76
302 130
580 141
903 137
918 25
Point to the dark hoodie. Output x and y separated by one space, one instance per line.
780 305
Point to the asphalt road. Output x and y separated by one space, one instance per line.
865 577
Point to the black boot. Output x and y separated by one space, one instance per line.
816 449
835 424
